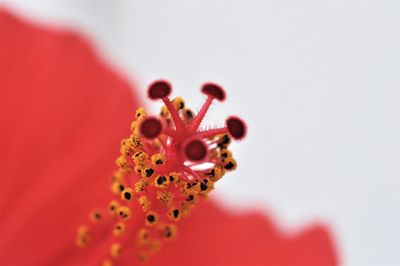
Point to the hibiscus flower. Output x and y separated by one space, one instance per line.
63 115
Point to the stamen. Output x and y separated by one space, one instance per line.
106 262
151 218
230 164
145 203
168 231
82 237
119 229
113 207
96 215
158 159
115 250
158 173
174 214
124 212
127 194
143 236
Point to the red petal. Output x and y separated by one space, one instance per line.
65 114
212 236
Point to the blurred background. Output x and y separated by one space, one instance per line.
316 81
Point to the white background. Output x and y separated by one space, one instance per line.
317 82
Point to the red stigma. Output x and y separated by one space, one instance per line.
214 90
236 127
195 150
159 89
150 127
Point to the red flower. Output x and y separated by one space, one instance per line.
63 114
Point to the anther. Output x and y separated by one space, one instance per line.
174 214
117 187
165 197
151 218
124 212
121 162
161 181
95 215
82 237
206 185
145 203
158 159
140 113
230 164
187 114
127 194
119 229
178 103
173 177
147 172
115 250
112 207
143 236
106 262
216 173
139 157
223 141
168 231
140 185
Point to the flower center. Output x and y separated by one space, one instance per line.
158 180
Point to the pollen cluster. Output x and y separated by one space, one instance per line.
165 167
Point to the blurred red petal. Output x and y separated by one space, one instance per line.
213 236
63 114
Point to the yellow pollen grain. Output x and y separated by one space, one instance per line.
106 262
140 113
119 229
230 164
142 237
82 237
95 215
113 207
124 212
115 250
161 181
168 231
158 159
145 203
117 188
140 157
174 214
140 185
127 194
178 103
165 197
151 218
